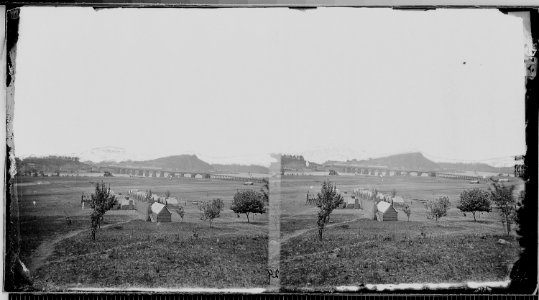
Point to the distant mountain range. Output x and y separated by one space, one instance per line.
191 163
186 162
417 161
183 162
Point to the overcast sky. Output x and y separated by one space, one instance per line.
233 85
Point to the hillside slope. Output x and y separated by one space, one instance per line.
182 162
407 161
417 161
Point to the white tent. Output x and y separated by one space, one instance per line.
160 213
171 201
386 212
398 199
157 207
382 206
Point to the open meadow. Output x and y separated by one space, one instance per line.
130 252
359 250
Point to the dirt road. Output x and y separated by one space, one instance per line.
45 250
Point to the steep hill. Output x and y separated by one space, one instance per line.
416 161
183 162
193 163
407 161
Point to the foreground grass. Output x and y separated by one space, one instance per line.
35 230
142 254
395 252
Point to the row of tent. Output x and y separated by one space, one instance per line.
141 196
158 210
382 208
370 194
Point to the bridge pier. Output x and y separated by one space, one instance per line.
162 174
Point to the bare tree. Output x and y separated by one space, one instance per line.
180 211
502 196
407 210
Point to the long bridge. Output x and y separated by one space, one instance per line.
385 171
163 173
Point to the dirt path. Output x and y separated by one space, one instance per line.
45 250
287 237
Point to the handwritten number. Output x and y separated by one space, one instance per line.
273 273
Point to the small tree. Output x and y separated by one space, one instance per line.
180 212
393 193
101 201
502 196
211 209
374 195
248 201
149 213
407 210
167 194
327 200
438 208
149 198
474 200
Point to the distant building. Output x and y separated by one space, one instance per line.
160 213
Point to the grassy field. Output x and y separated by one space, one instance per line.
357 250
135 253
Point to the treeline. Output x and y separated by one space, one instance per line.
293 161
50 164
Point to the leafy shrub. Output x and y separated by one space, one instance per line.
248 201
327 200
474 200
438 208
211 209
